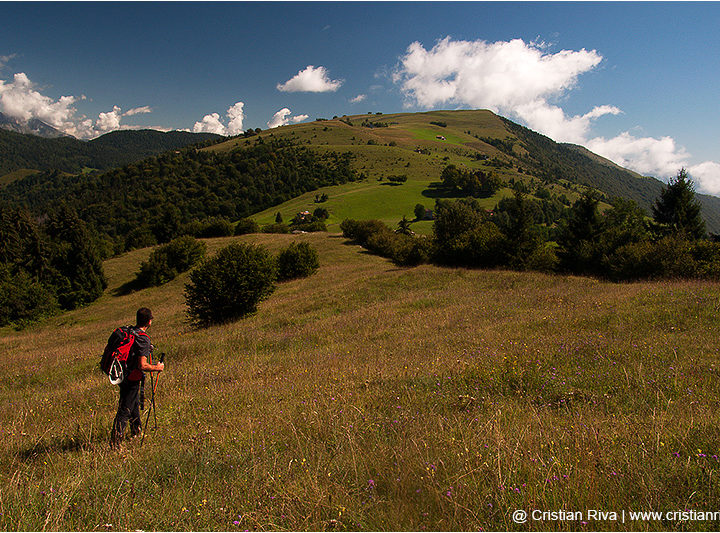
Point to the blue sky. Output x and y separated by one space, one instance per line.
636 82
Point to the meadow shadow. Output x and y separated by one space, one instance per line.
131 286
437 190
57 444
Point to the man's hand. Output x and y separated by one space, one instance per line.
159 367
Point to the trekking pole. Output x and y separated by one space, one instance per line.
153 386
147 419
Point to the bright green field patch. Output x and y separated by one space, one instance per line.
433 134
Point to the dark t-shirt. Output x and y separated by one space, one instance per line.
141 348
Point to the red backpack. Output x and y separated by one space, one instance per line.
116 361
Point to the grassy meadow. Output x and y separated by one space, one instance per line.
371 397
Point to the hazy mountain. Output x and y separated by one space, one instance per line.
33 126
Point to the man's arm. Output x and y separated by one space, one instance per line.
147 367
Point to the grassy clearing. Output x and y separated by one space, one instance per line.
369 397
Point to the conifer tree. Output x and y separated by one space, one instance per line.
678 209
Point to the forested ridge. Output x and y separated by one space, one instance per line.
67 154
160 194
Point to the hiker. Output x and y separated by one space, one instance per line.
132 389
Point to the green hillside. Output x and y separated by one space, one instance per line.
370 397
408 143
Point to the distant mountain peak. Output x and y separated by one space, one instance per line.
33 126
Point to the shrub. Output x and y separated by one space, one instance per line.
360 230
278 227
231 284
297 261
169 260
403 250
321 213
209 227
216 227
245 226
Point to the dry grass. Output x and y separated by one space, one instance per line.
368 397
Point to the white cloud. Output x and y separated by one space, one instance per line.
212 124
20 100
359 98
312 79
137 111
279 118
209 124
109 121
236 115
646 155
499 76
283 118
707 177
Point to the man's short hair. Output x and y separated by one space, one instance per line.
144 316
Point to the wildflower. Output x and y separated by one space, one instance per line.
371 484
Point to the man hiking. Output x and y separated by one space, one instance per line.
132 389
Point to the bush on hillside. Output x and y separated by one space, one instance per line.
231 284
298 260
402 249
169 260
278 227
245 226
360 230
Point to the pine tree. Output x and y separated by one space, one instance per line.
678 209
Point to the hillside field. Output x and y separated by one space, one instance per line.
371 397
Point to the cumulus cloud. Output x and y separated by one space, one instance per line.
236 115
21 100
283 118
312 79
707 177
646 155
212 124
109 121
359 98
